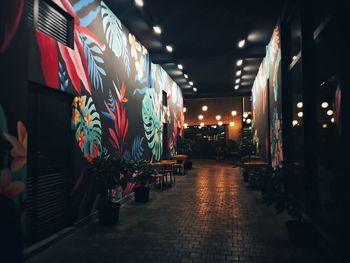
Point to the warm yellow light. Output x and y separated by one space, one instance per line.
329 112
239 62
220 123
300 114
185 109
200 117
234 113
218 117
249 121
185 125
241 43
300 105
202 124
139 3
245 115
169 48
324 104
157 30
294 122
232 123
324 125
204 108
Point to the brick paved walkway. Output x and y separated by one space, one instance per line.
209 216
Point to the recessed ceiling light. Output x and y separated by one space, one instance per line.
239 72
157 30
245 115
249 121
139 3
332 120
300 114
241 43
220 123
179 66
186 76
191 83
234 113
324 104
329 112
237 87
185 125
218 117
239 62
169 48
185 109
195 89
324 126
232 123
200 117
237 81
299 105
204 108
202 124
294 122
294 57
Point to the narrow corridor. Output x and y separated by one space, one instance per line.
209 216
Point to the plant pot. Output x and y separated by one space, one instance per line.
109 213
300 232
141 194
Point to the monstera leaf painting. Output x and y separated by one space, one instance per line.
151 115
86 122
112 28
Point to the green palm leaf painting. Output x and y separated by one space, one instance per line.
112 28
151 115
86 122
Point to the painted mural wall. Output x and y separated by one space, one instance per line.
117 106
13 125
267 104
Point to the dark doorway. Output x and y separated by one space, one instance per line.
49 152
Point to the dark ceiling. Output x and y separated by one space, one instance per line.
204 35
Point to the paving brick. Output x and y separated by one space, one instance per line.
208 216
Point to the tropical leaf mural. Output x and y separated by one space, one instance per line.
86 20
151 115
117 112
86 122
136 149
112 28
95 60
125 55
63 77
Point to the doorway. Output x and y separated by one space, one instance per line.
50 146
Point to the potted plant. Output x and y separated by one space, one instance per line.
286 197
141 173
107 172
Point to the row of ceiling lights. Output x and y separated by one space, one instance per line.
239 63
158 30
